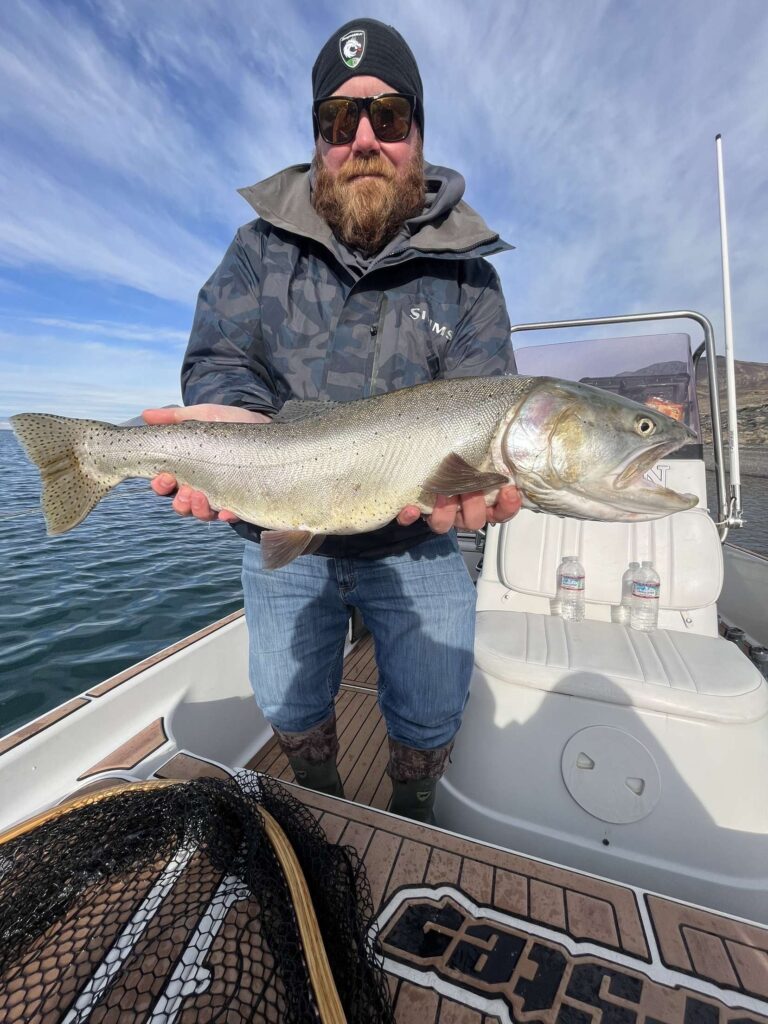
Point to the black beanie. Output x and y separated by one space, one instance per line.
368 47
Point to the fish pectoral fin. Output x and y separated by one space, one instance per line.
455 475
279 547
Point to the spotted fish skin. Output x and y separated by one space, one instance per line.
351 467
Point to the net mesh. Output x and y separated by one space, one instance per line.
170 904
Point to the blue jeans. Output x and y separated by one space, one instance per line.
420 607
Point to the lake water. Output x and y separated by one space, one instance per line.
754 499
75 609
133 578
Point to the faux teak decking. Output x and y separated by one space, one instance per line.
472 934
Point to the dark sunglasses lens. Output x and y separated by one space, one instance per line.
337 120
391 118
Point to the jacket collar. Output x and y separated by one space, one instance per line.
447 227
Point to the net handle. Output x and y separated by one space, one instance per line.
320 975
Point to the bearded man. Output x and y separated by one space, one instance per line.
364 273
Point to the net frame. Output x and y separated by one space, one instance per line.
307 865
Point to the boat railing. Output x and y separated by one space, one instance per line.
728 514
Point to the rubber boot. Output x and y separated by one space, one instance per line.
322 776
414 799
415 774
312 756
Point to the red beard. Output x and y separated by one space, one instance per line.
367 212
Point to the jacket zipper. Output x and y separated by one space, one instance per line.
376 346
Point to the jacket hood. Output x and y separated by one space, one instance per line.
447 226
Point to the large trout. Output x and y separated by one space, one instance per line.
325 468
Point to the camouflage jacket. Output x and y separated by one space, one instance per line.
292 313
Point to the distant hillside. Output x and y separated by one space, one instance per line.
657 369
751 400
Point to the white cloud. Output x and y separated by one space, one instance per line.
119 331
89 236
585 132
56 373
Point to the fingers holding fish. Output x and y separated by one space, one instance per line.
440 520
409 515
471 513
443 516
164 484
189 502
182 502
507 505
467 511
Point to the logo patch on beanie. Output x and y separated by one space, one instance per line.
352 47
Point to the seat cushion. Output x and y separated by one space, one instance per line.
684 547
678 673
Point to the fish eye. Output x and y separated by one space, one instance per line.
644 426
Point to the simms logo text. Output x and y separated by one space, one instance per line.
417 313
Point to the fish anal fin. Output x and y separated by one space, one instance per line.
455 475
279 547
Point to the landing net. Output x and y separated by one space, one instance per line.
200 901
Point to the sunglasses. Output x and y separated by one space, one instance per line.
390 114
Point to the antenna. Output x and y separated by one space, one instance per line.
734 511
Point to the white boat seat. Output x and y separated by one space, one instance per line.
676 673
685 549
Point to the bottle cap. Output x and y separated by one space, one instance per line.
634 565
647 565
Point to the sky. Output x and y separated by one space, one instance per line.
584 128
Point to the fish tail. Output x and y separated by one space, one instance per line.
72 487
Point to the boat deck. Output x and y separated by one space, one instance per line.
474 934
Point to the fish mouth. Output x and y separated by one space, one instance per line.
633 471
631 480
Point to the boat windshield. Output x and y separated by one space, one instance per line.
656 370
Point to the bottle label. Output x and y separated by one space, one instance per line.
572 582
646 590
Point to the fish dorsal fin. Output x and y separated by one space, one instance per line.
303 409
455 475
279 547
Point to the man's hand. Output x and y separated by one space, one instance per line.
466 511
187 501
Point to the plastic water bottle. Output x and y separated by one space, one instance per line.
554 604
570 589
620 612
646 586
